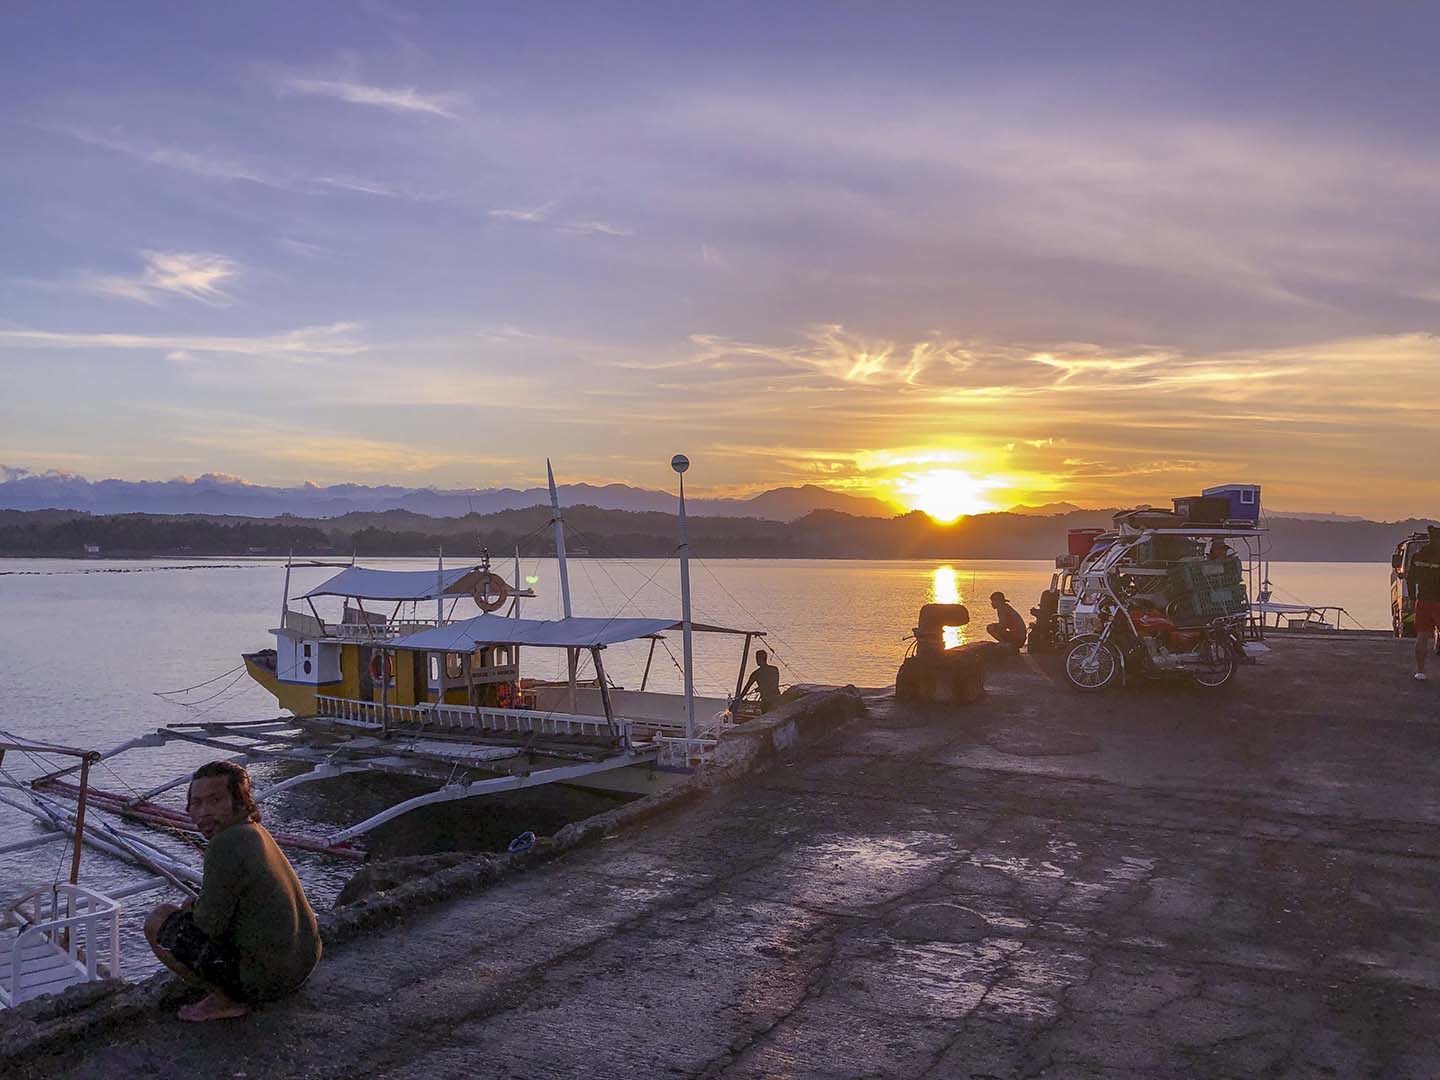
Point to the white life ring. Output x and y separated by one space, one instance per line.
490 592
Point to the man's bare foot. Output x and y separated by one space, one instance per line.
214 1006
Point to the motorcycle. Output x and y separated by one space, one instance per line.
1139 639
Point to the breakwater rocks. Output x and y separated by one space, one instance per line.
384 894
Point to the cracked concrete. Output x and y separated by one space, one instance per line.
1155 883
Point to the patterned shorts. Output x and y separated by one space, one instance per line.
194 948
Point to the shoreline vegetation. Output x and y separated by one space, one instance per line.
601 533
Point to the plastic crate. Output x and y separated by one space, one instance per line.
1211 603
1188 575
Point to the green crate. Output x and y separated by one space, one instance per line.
1190 575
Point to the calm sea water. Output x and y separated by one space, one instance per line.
86 646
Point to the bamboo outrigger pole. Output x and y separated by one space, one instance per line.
86 758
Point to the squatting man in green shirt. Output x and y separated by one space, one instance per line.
250 936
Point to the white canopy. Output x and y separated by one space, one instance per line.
1272 607
363 583
573 633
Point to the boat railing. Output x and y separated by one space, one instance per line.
678 752
309 626
303 624
65 934
378 631
458 719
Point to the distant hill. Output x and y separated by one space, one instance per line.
1045 510
214 494
1306 516
636 534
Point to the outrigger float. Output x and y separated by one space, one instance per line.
442 699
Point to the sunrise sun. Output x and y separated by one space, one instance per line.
944 494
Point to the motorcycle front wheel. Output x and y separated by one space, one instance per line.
1091 665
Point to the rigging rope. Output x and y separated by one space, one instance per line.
756 620
207 682
218 693
65 852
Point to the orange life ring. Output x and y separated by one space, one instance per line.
504 695
490 592
376 663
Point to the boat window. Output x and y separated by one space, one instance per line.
454 665
434 668
502 656
307 662
1247 496
307 652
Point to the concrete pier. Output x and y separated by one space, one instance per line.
1156 882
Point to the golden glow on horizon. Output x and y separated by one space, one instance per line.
946 590
945 494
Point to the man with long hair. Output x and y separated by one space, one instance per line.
250 936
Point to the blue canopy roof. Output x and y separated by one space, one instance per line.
577 632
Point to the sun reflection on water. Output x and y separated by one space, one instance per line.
945 589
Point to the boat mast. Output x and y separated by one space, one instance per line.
559 523
680 463
440 590
515 603
285 596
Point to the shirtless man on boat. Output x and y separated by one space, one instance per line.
766 679
250 936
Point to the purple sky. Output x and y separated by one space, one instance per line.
1083 251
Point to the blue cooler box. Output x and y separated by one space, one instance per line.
1244 500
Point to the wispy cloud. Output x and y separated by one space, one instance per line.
191 275
530 217
199 163
540 214
215 166
403 99
302 247
358 184
304 343
594 228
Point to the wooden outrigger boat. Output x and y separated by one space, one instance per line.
442 699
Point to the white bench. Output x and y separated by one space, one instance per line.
55 937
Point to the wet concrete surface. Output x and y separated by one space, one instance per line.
1159 882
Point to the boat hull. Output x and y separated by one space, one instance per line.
299 698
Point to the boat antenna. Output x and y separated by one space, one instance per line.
680 463
558 523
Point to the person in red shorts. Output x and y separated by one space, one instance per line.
1424 579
